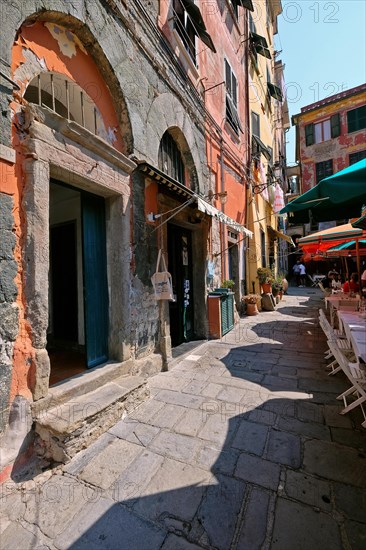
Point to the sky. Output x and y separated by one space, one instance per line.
323 47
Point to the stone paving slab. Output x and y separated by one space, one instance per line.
299 526
109 524
240 446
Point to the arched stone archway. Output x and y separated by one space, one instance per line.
69 174
166 113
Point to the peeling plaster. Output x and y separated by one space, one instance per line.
30 67
66 40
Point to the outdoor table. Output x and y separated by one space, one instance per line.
339 301
355 330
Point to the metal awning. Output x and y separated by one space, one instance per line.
187 194
279 235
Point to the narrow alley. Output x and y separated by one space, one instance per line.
240 445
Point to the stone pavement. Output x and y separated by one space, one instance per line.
240 446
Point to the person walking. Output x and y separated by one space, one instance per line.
302 274
296 271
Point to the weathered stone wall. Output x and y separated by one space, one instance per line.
151 93
8 309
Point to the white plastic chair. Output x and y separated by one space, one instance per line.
356 376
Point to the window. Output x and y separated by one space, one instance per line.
356 119
170 158
274 91
185 28
188 23
232 116
323 131
263 249
323 169
243 3
356 157
66 98
256 128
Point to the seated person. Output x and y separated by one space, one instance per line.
327 281
352 285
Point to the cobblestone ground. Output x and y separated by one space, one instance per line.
241 446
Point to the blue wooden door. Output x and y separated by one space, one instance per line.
95 279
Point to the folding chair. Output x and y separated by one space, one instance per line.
313 281
340 340
357 376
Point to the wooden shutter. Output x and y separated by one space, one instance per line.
228 78
309 134
234 90
335 125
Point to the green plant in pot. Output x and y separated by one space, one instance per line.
266 279
228 283
277 285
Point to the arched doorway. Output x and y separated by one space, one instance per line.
76 176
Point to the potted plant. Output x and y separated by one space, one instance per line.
277 286
228 283
265 279
251 303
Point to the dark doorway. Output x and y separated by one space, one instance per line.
180 266
78 305
64 283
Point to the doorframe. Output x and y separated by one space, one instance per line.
64 151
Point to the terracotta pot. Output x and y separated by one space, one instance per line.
252 309
267 288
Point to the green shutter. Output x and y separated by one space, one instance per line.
335 125
309 134
351 120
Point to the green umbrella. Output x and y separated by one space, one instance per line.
336 197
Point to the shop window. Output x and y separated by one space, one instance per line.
356 119
323 169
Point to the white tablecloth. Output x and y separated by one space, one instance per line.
354 327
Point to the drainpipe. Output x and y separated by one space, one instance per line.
222 231
249 150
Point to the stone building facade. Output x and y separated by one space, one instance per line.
124 126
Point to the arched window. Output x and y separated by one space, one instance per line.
66 98
170 158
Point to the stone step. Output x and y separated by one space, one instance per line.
95 378
73 425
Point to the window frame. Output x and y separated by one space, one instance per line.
257 121
185 30
362 155
358 120
231 98
325 171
